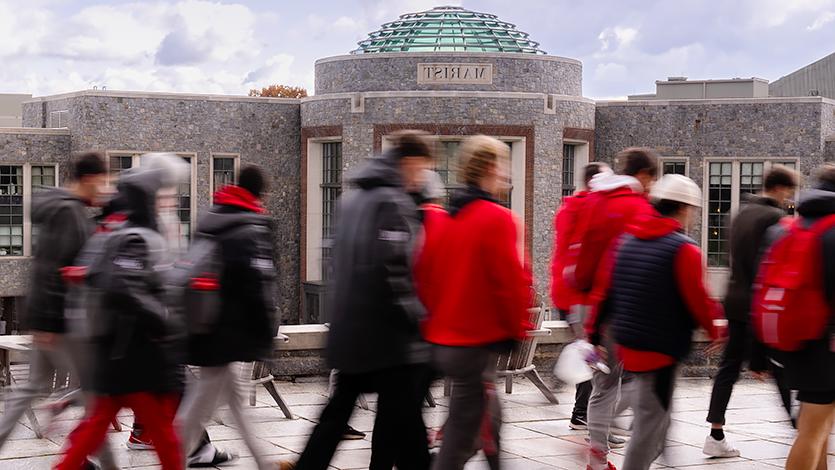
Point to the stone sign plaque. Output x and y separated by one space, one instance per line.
461 74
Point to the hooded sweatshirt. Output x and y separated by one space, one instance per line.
247 324
64 226
563 296
631 294
374 309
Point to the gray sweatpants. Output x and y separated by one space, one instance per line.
215 386
652 408
469 369
68 356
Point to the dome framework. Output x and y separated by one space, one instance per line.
448 29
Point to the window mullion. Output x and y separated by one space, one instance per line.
27 210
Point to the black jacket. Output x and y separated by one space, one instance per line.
748 231
813 367
137 345
375 311
63 227
247 323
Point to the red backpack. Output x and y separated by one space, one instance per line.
593 235
790 306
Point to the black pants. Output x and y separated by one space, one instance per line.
581 400
399 433
737 351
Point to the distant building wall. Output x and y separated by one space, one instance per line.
11 107
816 79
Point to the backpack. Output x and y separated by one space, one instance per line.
84 313
790 305
590 239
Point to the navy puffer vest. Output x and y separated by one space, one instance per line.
648 311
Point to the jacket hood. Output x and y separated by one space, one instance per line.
816 203
650 227
608 181
136 196
221 218
45 203
239 197
467 195
377 172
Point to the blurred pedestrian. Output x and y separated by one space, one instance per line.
651 291
374 337
563 295
617 200
136 361
63 221
478 304
244 326
792 313
748 231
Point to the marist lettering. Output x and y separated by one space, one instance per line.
455 73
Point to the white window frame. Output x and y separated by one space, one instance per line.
518 161
236 167
735 197
663 160
313 211
62 116
27 203
137 157
582 149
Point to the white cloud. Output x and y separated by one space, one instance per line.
617 37
822 20
275 71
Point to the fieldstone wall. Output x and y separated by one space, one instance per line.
29 146
262 131
394 71
469 109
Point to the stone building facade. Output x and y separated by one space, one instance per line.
508 89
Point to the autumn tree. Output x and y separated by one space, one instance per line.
279 91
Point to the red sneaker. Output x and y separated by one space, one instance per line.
136 442
609 466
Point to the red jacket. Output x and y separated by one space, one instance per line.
563 296
689 273
471 277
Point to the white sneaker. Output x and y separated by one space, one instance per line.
723 448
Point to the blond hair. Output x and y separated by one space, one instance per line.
477 154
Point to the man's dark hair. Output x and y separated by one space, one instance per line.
637 159
87 164
668 208
590 170
826 177
412 143
780 175
252 179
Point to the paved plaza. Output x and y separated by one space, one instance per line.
535 433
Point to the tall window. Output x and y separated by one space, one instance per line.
331 190
674 168
750 177
568 165
184 206
223 172
118 164
11 210
447 166
719 208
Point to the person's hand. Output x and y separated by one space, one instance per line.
716 346
44 340
761 375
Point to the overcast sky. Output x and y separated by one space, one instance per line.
54 46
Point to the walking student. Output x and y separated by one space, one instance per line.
564 295
136 363
792 313
245 325
374 338
748 231
617 200
653 295
478 302
64 225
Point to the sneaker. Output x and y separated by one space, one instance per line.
616 442
135 442
723 448
90 465
210 456
578 424
609 466
352 434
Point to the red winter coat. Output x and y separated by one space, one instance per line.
563 296
471 276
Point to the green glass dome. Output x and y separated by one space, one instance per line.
448 29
